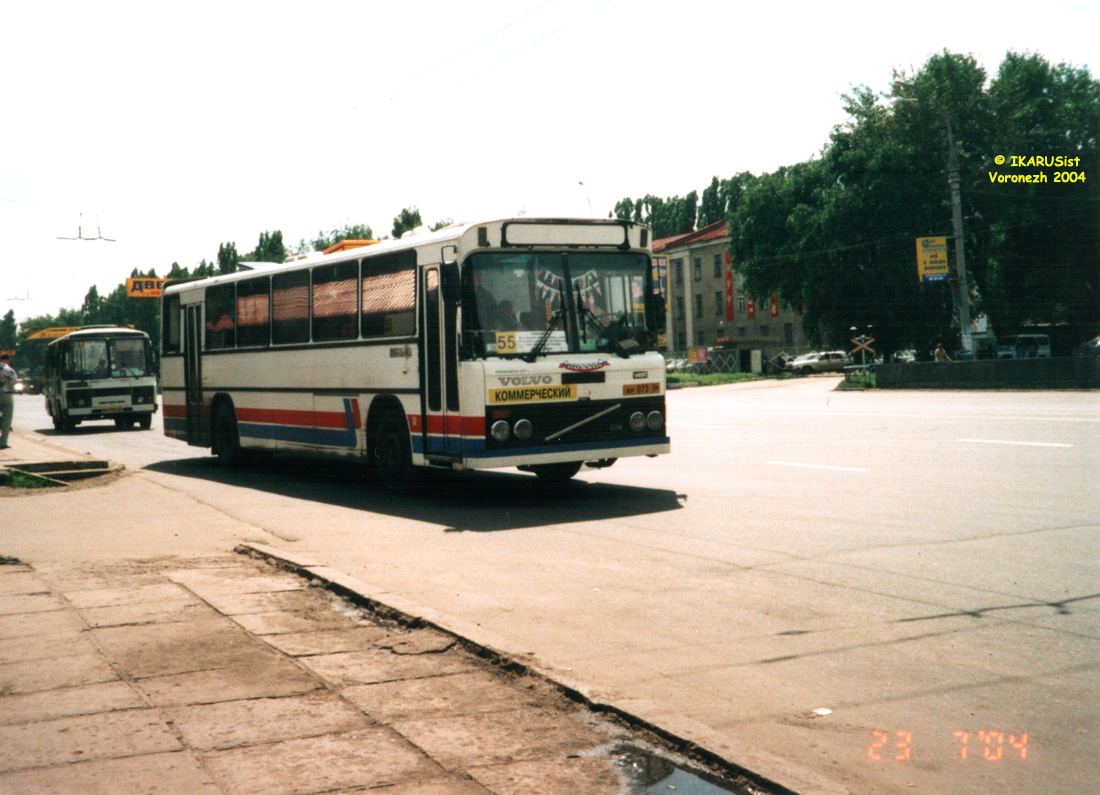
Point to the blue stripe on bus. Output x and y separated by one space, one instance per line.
323 437
475 448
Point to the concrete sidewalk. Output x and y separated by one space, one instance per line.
223 673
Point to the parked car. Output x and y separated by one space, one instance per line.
823 362
1090 348
1023 346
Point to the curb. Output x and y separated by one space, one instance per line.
687 737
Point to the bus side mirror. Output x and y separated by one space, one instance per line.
452 289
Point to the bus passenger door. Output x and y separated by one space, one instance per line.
442 421
192 375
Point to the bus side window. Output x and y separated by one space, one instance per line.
389 295
290 308
170 322
221 323
335 302
254 312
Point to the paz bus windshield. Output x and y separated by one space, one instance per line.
518 304
105 358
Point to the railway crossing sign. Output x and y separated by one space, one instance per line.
863 344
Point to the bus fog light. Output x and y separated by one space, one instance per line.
655 421
637 422
524 430
500 431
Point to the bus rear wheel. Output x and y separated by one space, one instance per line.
557 473
225 439
393 453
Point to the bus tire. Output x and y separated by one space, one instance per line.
393 453
225 438
145 422
557 473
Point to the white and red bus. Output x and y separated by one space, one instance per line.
525 343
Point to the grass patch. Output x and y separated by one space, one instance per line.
857 382
714 379
25 480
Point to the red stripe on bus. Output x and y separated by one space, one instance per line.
175 411
457 426
305 419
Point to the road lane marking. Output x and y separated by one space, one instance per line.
815 466
1025 444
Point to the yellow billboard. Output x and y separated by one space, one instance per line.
932 264
142 287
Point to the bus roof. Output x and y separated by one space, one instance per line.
89 332
535 232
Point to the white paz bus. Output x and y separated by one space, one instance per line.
525 343
101 373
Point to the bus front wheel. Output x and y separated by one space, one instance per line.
557 473
393 453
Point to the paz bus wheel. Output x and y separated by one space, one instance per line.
145 422
393 453
225 441
557 473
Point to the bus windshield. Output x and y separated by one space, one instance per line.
106 358
516 304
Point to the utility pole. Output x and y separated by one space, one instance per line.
960 243
957 221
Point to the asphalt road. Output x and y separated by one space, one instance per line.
869 592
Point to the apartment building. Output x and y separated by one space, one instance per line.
709 309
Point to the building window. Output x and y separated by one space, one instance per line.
698 264
718 266
763 330
678 270
698 305
741 302
719 303
741 331
788 333
681 340
680 307
700 338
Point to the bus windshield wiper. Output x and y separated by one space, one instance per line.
590 318
537 349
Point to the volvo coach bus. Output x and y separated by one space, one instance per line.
101 373
525 343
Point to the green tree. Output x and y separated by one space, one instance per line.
406 220
337 235
228 258
835 235
270 248
9 331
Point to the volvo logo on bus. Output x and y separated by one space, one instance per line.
526 380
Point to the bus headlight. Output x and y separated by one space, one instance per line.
637 422
500 431
524 430
655 421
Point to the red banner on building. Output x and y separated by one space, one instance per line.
729 293
752 309
775 305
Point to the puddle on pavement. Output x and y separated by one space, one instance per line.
647 773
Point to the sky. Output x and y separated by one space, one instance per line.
174 127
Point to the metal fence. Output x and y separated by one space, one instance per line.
717 362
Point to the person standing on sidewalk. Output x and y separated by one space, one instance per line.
7 402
